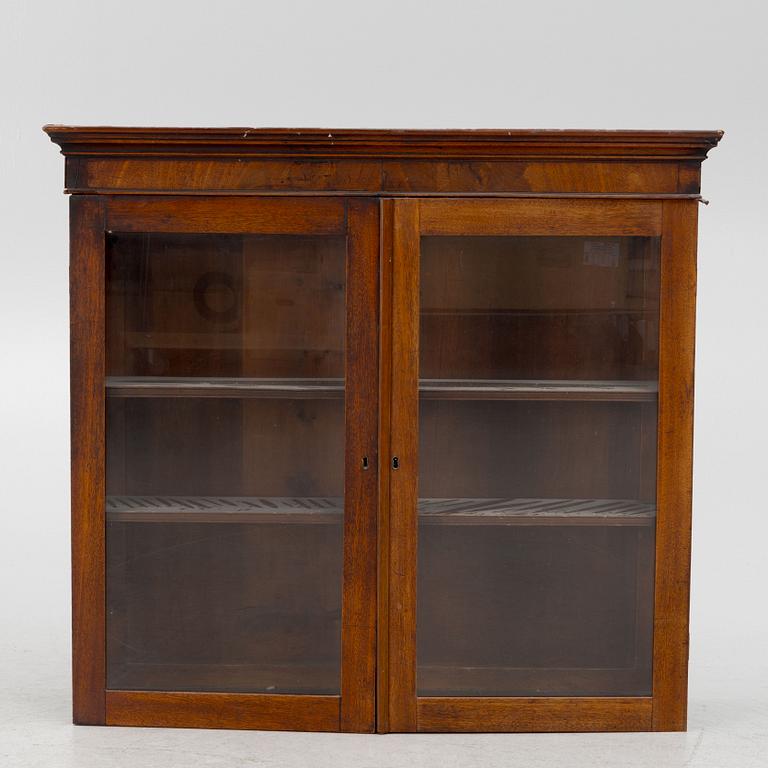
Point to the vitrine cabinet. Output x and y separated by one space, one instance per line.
382 430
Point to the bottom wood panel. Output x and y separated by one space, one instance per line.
223 710
500 714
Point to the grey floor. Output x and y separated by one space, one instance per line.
728 727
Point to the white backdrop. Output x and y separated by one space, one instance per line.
366 64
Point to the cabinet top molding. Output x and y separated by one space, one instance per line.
328 143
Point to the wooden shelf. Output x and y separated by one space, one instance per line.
459 680
224 509
432 389
231 387
241 678
543 312
433 680
536 512
527 389
329 511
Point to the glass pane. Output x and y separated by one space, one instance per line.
225 457
537 466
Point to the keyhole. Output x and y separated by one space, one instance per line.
395 462
365 462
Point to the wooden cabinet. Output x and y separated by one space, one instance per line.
382 430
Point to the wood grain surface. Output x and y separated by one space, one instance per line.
499 714
222 710
358 633
675 466
86 294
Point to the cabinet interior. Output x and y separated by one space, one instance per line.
225 463
549 592
225 491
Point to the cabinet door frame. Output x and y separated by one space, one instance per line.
404 221
91 218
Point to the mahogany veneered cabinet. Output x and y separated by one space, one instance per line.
382 430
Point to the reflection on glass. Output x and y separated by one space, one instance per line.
225 456
539 380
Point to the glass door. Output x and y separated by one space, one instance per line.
235 484
531 485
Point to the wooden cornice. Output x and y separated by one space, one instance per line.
315 143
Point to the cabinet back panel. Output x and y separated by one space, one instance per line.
228 607
534 449
229 447
225 305
539 307
527 611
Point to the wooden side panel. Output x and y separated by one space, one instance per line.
385 454
453 714
222 710
267 216
540 217
689 177
675 455
404 479
358 641
86 281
